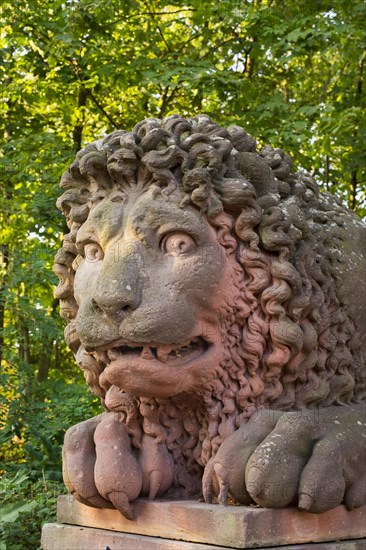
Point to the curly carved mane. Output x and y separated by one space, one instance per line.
289 342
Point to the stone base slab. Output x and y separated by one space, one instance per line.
215 525
72 537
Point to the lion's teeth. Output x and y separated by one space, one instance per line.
147 353
112 354
162 354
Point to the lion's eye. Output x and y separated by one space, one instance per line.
93 252
178 244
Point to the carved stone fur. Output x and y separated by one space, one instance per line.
292 325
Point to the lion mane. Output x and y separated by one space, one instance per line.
290 343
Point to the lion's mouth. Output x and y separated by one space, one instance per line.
168 354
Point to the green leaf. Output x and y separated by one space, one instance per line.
10 512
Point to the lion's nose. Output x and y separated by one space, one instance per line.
117 303
118 290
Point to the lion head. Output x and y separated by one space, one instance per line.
200 282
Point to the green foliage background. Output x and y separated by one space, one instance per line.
290 72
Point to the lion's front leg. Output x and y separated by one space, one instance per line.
78 463
315 459
224 474
99 466
118 476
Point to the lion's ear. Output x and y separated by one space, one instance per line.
256 170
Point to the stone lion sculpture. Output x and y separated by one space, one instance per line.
216 303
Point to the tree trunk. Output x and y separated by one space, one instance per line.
250 60
78 129
44 363
352 202
353 190
26 344
3 287
327 172
4 249
57 356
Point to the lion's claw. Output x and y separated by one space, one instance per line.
223 483
121 503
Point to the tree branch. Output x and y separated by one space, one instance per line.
166 98
152 15
94 100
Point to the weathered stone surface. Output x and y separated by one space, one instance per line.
70 537
227 526
204 284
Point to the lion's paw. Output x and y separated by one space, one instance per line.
99 467
314 458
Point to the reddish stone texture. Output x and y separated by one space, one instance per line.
65 537
228 526
210 297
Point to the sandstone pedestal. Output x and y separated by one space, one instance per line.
189 525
